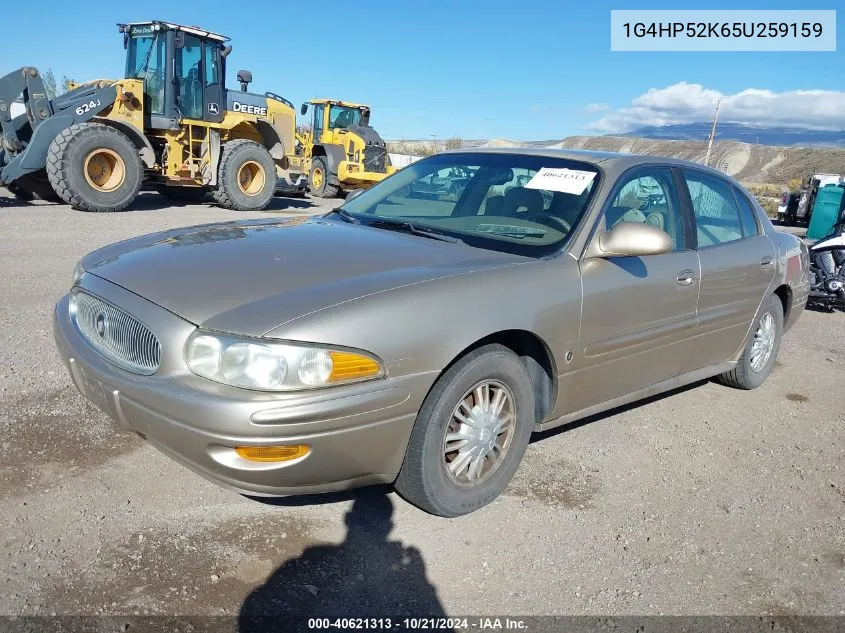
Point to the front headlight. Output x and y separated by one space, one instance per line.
270 366
78 271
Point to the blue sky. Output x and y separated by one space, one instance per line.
493 69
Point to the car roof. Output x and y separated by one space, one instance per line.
616 162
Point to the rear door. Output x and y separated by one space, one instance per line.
737 265
638 312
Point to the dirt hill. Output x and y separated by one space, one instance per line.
743 161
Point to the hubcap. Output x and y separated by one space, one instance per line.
763 343
317 177
104 169
479 433
251 178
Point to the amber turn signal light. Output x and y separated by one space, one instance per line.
272 453
347 366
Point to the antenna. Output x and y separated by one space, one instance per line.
712 132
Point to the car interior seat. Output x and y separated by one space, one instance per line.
657 217
494 205
520 201
615 215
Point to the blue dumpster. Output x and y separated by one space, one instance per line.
825 211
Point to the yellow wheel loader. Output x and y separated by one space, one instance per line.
169 124
341 151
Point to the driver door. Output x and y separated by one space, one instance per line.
638 312
190 97
319 109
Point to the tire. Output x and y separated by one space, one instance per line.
94 167
323 188
423 479
256 192
744 375
183 194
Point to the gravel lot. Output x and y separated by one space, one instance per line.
704 501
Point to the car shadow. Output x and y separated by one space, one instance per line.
367 575
324 498
576 424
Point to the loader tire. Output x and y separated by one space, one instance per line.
321 180
246 180
94 167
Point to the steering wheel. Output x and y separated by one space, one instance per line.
550 221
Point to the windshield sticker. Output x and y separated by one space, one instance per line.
573 181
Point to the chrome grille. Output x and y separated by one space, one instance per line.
375 158
117 336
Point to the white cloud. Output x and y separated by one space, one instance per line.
593 108
688 103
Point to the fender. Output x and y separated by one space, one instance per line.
145 150
34 157
271 139
334 155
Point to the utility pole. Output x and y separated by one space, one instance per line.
712 133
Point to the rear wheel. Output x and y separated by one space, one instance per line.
246 178
470 434
320 180
761 351
94 167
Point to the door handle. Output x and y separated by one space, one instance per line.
766 263
686 278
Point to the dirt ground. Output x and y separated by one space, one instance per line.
704 501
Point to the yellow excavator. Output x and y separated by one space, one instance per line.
341 151
169 124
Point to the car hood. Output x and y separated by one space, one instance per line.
249 277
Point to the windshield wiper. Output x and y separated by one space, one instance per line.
346 216
407 227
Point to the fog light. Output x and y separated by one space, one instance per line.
272 453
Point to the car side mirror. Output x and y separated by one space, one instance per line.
630 239
354 194
303 109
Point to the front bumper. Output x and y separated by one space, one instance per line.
349 173
358 433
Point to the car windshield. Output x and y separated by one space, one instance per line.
514 203
340 116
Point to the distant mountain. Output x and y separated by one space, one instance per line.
781 136
744 161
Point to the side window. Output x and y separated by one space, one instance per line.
716 213
191 88
210 65
649 197
318 121
747 215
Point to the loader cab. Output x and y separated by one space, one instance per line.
183 69
329 116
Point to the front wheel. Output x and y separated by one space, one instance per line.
94 167
320 180
246 178
470 434
761 351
